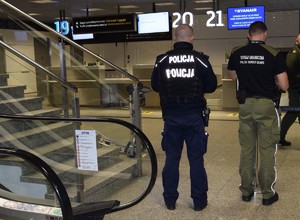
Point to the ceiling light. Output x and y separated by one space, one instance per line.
128 6
164 4
92 9
202 9
44 1
34 14
203 1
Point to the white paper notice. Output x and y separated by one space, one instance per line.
86 150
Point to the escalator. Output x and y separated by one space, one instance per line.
34 186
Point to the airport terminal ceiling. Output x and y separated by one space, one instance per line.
49 10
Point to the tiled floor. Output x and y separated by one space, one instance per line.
221 160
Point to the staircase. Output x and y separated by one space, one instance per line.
54 143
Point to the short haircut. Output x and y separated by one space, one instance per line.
183 32
257 27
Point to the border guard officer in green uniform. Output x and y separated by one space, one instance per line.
260 70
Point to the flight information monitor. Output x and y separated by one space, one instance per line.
242 17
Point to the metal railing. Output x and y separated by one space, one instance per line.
135 80
75 102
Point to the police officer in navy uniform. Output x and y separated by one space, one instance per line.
260 71
181 77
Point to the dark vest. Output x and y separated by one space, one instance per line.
178 78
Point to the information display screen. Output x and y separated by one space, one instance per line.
242 17
81 36
153 23
107 24
118 28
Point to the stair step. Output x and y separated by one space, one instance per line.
66 154
16 106
13 126
51 147
37 136
44 112
41 152
10 92
111 179
102 183
66 170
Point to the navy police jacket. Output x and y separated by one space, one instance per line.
181 77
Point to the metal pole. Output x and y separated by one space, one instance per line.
63 75
136 120
153 8
75 107
63 69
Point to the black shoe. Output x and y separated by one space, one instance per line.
284 143
271 200
247 198
201 206
170 206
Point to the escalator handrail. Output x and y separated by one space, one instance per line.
51 176
145 141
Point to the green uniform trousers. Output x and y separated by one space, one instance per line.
290 117
258 130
